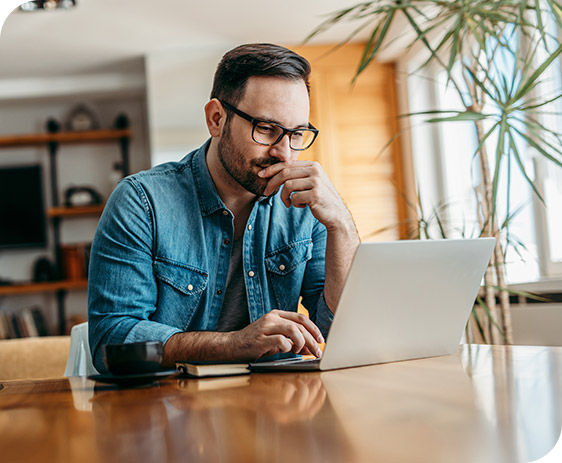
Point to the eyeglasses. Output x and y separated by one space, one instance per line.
270 133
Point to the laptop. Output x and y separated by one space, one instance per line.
402 300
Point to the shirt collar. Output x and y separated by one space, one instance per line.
209 199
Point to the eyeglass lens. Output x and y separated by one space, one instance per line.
269 134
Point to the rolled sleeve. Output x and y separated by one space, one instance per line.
154 331
324 316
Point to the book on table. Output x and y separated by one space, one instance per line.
202 369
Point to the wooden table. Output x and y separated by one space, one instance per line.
485 404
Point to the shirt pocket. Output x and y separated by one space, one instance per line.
180 288
285 268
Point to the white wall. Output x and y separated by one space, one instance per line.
178 85
537 324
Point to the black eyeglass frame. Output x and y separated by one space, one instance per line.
284 130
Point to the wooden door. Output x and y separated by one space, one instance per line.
356 122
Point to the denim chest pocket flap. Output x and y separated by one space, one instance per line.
286 259
188 280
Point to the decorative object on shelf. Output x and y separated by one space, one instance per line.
121 121
82 118
81 196
44 270
53 126
47 5
75 260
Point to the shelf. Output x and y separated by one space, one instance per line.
64 137
46 287
74 211
52 143
544 286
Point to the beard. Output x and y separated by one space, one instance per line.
241 171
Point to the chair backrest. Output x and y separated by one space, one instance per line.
33 358
79 361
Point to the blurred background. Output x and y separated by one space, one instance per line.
153 62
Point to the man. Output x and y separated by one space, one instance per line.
211 254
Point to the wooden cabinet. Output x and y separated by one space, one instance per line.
57 212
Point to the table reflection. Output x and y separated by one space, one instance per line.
258 417
519 395
402 411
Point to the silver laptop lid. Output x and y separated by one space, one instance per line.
406 299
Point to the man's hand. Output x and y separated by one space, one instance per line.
275 332
306 184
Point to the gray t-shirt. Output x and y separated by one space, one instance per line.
234 313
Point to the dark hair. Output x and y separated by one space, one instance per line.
256 59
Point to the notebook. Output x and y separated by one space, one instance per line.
202 369
402 300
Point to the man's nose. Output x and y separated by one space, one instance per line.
282 150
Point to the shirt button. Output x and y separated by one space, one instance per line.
251 274
225 212
227 241
250 227
219 291
190 287
281 267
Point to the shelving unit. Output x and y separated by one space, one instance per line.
56 213
74 211
46 287
106 135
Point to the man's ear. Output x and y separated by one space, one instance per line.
215 116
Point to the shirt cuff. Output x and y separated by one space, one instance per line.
151 331
324 316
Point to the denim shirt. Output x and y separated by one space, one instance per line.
160 257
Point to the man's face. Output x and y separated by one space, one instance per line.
271 99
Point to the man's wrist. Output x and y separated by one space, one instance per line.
343 225
228 344
200 346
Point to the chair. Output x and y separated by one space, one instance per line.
33 358
79 361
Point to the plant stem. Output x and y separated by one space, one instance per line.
489 224
503 295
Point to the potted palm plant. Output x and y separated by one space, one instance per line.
505 103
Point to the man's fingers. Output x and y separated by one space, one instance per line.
299 336
274 169
302 198
286 174
304 321
283 332
305 351
278 343
291 331
294 186
311 346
